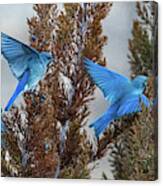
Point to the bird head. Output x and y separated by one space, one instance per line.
47 57
140 82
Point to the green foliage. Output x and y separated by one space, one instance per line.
142 44
141 50
134 150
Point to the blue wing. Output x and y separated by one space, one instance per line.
104 121
17 54
133 104
111 83
20 87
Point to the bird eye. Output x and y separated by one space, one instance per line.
49 57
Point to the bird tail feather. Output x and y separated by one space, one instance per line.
20 87
101 123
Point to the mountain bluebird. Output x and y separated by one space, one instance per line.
26 63
124 96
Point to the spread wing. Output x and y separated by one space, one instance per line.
133 104
17 54
111 83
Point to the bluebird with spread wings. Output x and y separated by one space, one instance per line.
26 63
125 96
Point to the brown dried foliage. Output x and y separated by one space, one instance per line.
51 107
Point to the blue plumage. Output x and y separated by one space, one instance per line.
20 87
125 96
26 63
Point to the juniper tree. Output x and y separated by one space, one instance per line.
135 150
54 142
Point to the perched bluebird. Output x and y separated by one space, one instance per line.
26 63
125 96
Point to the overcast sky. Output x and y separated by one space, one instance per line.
117 26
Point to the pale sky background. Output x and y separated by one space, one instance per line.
117 26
